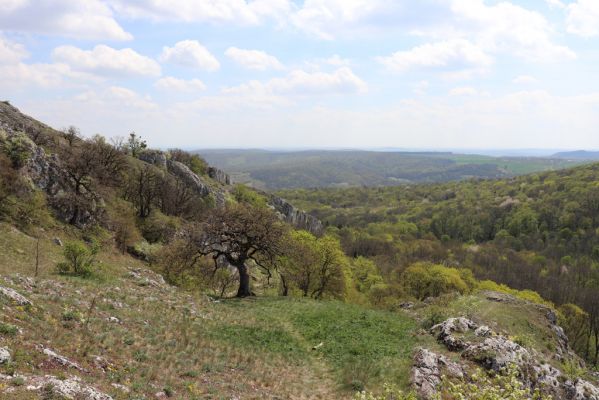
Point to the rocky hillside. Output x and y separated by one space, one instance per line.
93 308
47 171
128 335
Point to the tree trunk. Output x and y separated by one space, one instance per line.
244 281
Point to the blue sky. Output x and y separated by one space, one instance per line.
312 73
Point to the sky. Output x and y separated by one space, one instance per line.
427 74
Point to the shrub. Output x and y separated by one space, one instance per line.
79 259
8 329
158 227
424 280
481 386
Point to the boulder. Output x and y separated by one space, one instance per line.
15 297
70 388
189 177
444 332
428 369
580 389
154 157
4 355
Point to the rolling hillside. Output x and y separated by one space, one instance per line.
307 169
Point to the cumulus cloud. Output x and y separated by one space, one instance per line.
583 18
170 83
507 28
89 19
240 12
38 76
253 59
104 60
190 53
11 52
455 54
299 82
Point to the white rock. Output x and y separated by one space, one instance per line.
14 296
4 355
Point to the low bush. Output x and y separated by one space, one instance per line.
79 259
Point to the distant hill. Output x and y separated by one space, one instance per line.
577 155
350 168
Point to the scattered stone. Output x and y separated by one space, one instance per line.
61 360
4 355
581 390
407 305
161 395
71 388
120 387
14 296
318 346
499 297
114 320
58 242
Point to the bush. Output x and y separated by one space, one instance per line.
481 386
158 227
79 259
424 280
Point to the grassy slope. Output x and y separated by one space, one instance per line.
261 348
250 349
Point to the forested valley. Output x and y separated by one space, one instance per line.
538 232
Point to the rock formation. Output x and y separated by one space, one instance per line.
219 175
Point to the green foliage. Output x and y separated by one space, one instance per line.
135 144
8 329
243 194
158 228
315 267
390 392
526 294
79 259
17 147
195 163
481 386
423 280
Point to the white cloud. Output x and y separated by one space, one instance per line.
170 83
455 54
117 97
525 80
555 3
299 82
231 11
190 53
11 52
506 28
104 60
19 76
253 59
463 91
421 88
337 61
89 19
583 18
